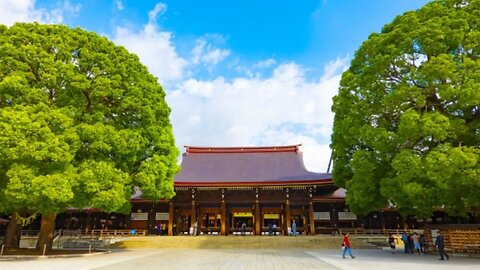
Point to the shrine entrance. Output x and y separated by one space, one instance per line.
272 223
182 224
272 220
300 215
210 221
242 223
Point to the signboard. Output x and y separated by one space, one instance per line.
162 216
139 216
346 216
242 214
321 216
271 216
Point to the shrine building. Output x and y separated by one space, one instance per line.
221 188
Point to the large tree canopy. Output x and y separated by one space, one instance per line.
82 122
407 115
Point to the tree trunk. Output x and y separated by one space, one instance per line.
13 234
47 231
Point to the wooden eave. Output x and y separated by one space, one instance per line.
253 185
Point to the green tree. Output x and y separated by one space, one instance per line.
82 123
407 115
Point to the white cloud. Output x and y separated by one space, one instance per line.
154 48
205 53
285 108
12 11
159 9
119 5
265 63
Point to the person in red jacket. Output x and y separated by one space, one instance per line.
346 245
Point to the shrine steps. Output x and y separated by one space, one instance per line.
239 242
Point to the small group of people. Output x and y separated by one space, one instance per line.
415 238
414 243
161 228
241 228
272 228
417 244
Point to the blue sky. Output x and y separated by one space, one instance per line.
236 73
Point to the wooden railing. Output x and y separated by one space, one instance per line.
354 231
363 231
131 232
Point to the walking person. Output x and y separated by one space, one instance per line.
274 228
440 244
294 228
416 244
346 245
392 243
195 228
423 244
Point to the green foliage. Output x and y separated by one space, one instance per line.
407 115
82 122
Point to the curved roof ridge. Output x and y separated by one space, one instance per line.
242 149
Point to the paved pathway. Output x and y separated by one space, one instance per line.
245 259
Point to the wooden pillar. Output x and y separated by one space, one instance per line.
194 210
287 214
382 222
151 220
223 215
199 218
223 219
170 219
287 218
232 221
334 218
311 215
87 221
311 218
258 222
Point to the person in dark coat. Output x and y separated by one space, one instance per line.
244 228
440 244
392 243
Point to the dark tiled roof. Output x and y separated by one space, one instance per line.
276 165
